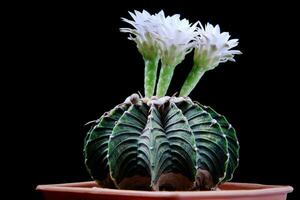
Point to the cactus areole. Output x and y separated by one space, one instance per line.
157 142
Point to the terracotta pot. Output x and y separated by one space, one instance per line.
237 191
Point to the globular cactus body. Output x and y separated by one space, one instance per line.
170 143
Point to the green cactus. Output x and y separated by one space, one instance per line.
141 144
161 142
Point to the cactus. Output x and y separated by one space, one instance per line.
162 142
146 144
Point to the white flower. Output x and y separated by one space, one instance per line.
213 47
142 34
169 37
175 37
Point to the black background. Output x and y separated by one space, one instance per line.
72 64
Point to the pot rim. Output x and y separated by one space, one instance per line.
240 189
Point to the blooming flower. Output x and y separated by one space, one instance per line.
213 47
142 33
175 37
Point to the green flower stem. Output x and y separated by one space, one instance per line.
191 81
150 76
165 77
